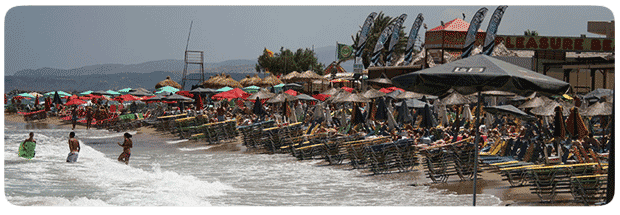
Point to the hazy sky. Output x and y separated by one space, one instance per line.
72 37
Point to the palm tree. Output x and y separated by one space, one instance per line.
381 22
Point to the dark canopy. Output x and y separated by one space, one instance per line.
479 73
508 109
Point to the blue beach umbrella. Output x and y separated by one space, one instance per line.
86 92
224 89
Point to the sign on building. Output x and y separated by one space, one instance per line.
570 44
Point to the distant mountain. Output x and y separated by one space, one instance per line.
102 81
238 66
118 76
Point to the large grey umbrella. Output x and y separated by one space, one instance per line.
341 94
383 80
177 97
394 94
598 109
101 92
476 74
281 97
140 93
331 91
479 73
203 90
508 109
353 97
373 93
262 94
292 86
305 97
598 94
156 98
409 95
523 98
412 103
533 103
547 109
454 98
404 115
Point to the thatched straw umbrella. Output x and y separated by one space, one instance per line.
210 83
308 76
288 78
246 81
271 80
229 82
168 82
255 80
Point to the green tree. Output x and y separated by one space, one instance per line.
381 22
286 61
530 33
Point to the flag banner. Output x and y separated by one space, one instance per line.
489 40
413 34
344 51
395 37
387 31
470 39
269 52
364 33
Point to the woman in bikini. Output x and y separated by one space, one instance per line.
124 157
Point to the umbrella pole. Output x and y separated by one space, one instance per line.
476 142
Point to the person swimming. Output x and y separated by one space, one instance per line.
127 144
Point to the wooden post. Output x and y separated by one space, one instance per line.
477 128
605 78
593 77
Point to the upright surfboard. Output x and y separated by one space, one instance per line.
26 150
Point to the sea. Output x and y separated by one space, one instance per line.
163 172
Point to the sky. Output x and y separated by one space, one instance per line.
67 37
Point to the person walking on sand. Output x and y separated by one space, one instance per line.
74 148
89 117
124 157
74 117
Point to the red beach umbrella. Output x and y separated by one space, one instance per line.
321 97
291 92
126 97
231 94
348 89
75 102
395 88
199 102
185 93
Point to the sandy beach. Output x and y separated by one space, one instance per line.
488 182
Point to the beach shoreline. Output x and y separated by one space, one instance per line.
488 182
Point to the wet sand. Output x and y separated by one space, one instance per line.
488 182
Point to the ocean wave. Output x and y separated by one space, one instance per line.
195 148
176 141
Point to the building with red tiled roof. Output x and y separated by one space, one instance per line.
449 38
454 25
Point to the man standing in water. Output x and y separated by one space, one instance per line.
124 157
74 148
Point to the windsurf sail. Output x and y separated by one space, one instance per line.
470 39
489 40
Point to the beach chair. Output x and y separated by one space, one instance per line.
589 189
